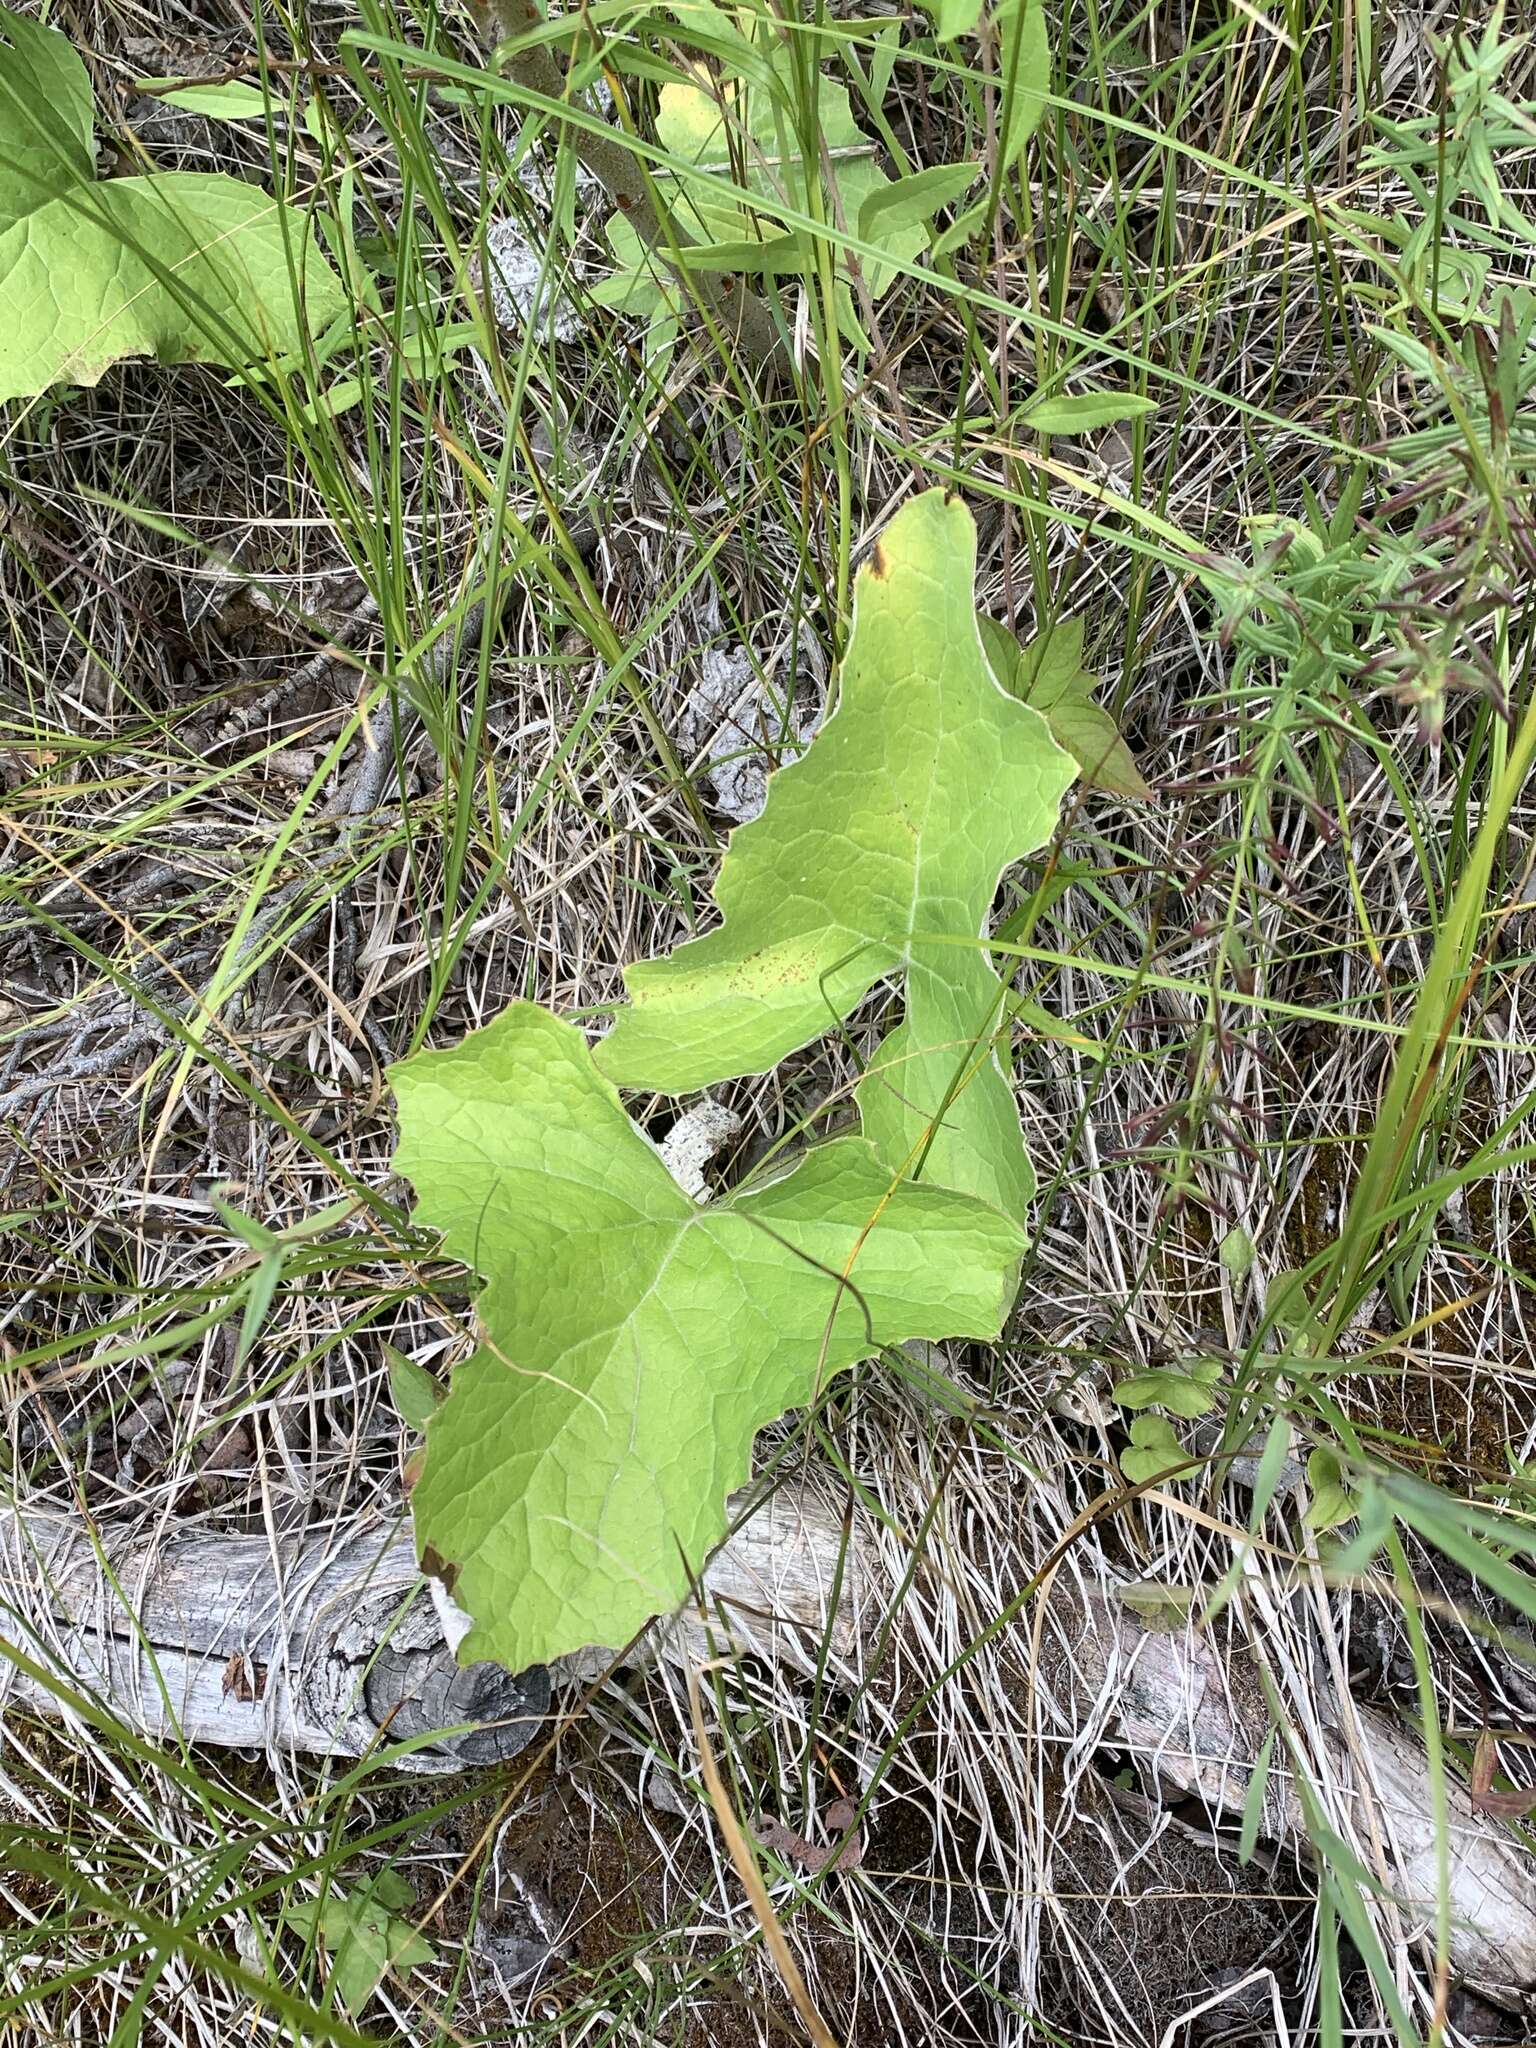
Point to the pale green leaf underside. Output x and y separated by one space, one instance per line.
879 852
634 1343
186 266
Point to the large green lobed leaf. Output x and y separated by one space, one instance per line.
187 266
633 1342
878 853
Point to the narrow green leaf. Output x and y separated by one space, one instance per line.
1253 1801
915 198
1024 67
1081 412
261 1287
1277 1448
234 101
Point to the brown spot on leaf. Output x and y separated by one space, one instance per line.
441 1568
879 567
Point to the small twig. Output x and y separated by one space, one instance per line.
335 654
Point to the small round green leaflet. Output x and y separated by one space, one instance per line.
634 1342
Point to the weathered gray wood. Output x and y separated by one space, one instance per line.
317 1643
332 1646
1194 1724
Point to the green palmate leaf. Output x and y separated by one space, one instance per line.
634 1342
878 853
1153 1449
187 266
1049 675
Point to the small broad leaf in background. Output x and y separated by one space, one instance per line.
187 266
636 1341
1236 1253
1515 1803
1081 413
364 1934
952 18
740 131
1154 1449
1158 1604
1189 1392
413 1390
1331 1501
878 854
1049 676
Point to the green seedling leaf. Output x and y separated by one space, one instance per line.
1082 413
915 199
1331 1502
1154 1449
1158 1604
741 132
232 102
1024 70
364 1935
1049 676
1188 1393
878 853
635 1342
1236 1253
187 266
413 1390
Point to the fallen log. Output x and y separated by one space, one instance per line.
1195 1722
314 1643
331 1646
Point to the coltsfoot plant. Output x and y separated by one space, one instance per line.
188 265
633 1342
